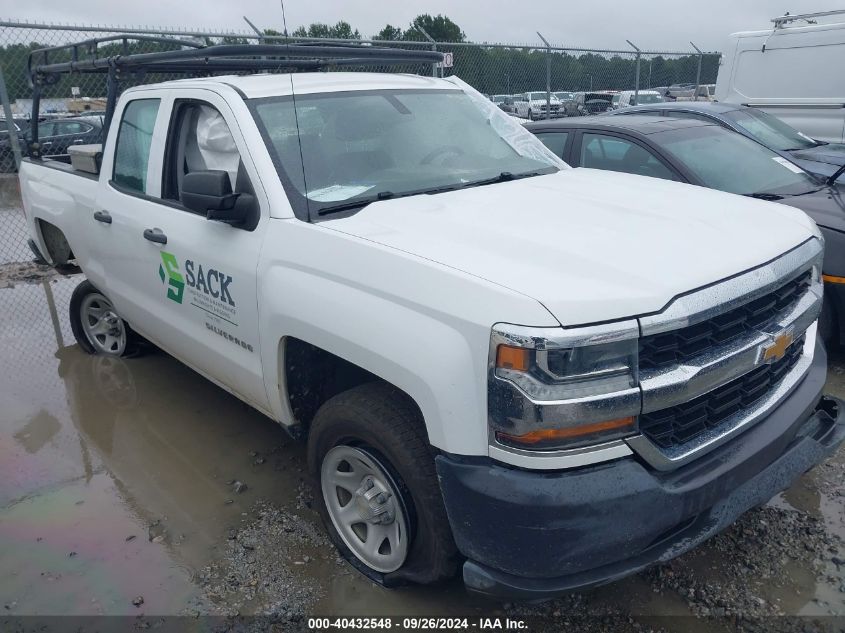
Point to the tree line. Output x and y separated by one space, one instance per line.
490 69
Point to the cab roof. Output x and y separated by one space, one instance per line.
272 84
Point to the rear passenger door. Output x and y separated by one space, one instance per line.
614 152
187 282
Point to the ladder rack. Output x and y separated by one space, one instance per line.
113 57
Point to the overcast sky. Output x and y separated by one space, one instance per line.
654 24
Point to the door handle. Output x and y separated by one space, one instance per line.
102 216
155 235
78 141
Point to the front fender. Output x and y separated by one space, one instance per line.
420 326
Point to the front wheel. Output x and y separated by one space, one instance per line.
96 325
378 492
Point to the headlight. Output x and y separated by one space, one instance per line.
557 388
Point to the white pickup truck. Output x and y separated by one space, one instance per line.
550 377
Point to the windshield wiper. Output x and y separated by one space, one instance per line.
833 178
763 195
360 203
505 176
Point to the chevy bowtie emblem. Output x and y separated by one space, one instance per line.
775 350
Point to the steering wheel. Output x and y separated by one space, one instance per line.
446 149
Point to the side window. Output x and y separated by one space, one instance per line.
200 140
555 141
599 151
134 137
45 128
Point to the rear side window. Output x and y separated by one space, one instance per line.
134 137
555 141
71 127
599 151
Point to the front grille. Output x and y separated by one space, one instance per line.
684 422
675 347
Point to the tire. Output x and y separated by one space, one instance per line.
377 425
108 335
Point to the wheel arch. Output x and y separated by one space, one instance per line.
309 376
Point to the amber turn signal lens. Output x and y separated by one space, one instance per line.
551 435
832 279
516 358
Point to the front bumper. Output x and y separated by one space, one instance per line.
535 535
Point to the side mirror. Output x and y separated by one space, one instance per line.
210 193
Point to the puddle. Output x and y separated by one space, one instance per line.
116 482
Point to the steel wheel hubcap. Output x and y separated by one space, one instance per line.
365 507
103 328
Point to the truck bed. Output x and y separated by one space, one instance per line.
53 193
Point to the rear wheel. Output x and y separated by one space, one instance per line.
96 325
379 496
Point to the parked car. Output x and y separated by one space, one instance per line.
631 98
488 355
564 97
676 91
533 105
791 71
704 92
505 103
820 158
707 154
18 124
7 157
586 103
55 136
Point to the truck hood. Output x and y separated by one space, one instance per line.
589 245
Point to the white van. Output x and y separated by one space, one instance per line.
791 72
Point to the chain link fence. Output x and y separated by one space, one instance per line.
71 107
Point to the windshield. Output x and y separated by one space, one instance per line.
643 99
339 148
769 130
539 96
728 161
563 96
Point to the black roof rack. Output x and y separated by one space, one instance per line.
46 65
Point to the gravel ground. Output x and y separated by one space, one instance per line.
24 272
256 573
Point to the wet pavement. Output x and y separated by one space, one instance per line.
118 481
